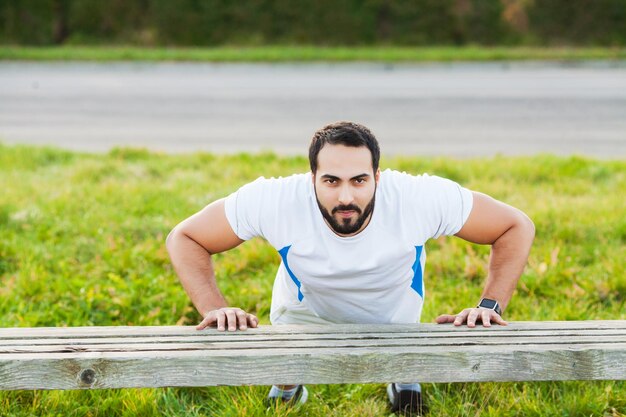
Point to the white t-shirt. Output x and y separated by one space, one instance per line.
375 276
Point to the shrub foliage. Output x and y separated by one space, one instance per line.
314 22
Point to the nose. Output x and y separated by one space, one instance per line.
345 195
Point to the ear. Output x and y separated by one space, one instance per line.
377 175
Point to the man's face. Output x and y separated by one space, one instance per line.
345 187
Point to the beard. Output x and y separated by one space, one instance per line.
345 226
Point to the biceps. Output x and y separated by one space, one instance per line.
210 228
488 220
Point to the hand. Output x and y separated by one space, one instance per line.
228 316
471 316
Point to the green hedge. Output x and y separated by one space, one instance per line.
313 22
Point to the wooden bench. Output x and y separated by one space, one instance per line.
117 357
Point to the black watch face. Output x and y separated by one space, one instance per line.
490 304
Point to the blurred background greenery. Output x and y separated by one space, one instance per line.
313 22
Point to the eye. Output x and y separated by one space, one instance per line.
360 180
330 181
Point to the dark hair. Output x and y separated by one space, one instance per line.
347 134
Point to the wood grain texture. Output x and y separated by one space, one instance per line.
117 357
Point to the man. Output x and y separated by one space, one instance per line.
351 239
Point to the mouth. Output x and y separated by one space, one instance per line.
345 213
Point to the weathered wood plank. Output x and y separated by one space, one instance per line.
211 335
286 350
119 331
114 357
326 366
174 345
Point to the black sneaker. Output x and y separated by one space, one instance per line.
299 398
406 402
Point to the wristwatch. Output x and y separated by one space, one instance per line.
491 305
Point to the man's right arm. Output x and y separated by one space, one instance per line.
190 245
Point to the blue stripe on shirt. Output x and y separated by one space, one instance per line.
417 283
283 253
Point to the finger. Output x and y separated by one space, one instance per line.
221 320
445 318
253 321
461 317
471 318
486 318
206 322
242 319
498 319
231 320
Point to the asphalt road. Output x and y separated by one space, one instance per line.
433 109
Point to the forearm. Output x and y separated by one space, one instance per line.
194 268
509 255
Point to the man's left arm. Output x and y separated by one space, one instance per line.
510 233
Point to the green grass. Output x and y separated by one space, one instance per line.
83 244
389 54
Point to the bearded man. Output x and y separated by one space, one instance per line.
351 241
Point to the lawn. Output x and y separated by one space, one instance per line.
83 244
391 54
